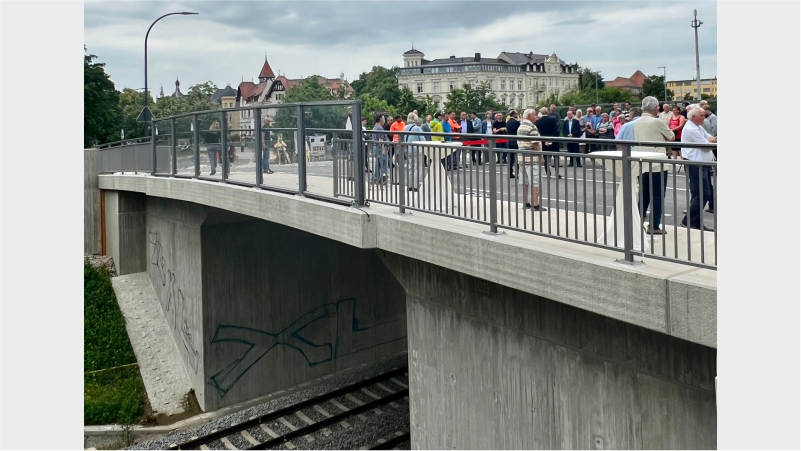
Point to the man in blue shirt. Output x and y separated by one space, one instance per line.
626 132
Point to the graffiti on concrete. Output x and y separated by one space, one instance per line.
175 308
319 336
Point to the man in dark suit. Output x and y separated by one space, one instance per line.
511 128
571 128
548 127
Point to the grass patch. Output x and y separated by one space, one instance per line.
114 395
105 340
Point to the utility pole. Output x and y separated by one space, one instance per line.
695 24
664 77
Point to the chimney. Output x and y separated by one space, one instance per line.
478 57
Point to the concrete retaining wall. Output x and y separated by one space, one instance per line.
282 306
496 368
174 266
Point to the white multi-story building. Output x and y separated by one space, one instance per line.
517 79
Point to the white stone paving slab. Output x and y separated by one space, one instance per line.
160 363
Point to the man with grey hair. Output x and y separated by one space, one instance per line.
666 113
529 163
413 155
426 127
698 177
650 128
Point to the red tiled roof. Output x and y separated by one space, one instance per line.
245 88
638 78
266 70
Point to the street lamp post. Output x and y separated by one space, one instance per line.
664 80
596 87
148 119
695 24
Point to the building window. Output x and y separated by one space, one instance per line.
503 85
519 85
419 88
706 89
451 85
436 86
549 82
520 102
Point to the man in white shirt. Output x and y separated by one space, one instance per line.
699 177
666 113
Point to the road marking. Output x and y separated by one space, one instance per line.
385 388
369 393
339 405
354 400
395 380
228 444
249 438
303 417
269 431
322 411
288 424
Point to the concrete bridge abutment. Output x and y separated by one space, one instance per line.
492 367
254 306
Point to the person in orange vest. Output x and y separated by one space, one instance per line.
396 126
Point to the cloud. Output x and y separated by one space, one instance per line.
228 40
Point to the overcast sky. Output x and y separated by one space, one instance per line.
228 40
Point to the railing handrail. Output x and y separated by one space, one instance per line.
460 143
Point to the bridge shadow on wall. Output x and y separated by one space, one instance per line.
320 336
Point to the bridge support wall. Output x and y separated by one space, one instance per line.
495 368
125 214
256 307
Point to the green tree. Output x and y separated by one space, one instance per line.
427 106
576 98
611 95
342 93
131 104
654 85
371 105
689 96
381 83
102 117
587 80
407 103
552 99
468 99
199 97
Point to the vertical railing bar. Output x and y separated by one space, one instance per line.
595 197
702 192
651 212
715 211
675 212
300 148
493 189
258 147
196 139
404 150
153 141
689 211
642 203
575 199
173 148
628 232
224 145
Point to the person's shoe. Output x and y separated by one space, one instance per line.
511 176
539 208
527 206
709 210
559 176
708 229
652 231
212 172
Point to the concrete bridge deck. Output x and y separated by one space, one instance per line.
666 297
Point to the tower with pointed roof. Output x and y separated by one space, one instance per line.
266 73
177 92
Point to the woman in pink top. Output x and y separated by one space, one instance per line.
675 124
621 120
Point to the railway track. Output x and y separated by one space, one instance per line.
323 417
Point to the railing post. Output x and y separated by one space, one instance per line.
173 148
358 153
300 148
224 145
628 225
493 188
153 142
196 142
258 146
402 174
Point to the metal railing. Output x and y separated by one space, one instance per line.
619 195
